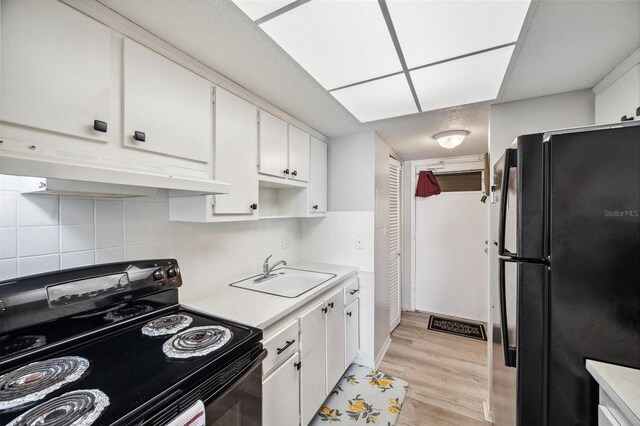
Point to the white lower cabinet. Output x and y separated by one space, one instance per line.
319 341
313 351
352 332
281 392
335 337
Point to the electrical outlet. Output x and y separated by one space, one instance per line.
359 241
285 242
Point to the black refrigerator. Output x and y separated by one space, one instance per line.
568 242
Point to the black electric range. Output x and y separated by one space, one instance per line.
110 345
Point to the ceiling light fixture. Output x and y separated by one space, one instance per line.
451 139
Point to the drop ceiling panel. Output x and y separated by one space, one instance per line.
472 79
430 31
256 9
375 100
337 42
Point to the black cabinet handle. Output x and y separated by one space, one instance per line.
315 207
331 305
139 136
100 126
348 314
294 173
285 171
289 343
625 118
253 206
297 365
352 292
325 310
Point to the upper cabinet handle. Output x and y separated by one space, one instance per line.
294 173
100 126
139 136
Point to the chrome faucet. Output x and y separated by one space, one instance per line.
266 269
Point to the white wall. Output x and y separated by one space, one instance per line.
351 165
41 233
511 119
618 94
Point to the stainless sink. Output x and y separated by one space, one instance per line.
285 282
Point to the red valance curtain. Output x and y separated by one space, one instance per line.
427 184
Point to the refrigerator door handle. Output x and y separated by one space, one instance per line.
509 351
511 161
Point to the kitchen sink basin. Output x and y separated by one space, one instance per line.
285 282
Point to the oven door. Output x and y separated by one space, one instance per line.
241 404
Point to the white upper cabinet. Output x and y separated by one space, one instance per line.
298 154
273 145
236 153
56 69
167 108
318 176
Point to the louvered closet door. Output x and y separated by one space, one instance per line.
395 197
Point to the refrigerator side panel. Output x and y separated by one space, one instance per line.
532 293
530 196
594 290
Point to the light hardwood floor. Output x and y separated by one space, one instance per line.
447 374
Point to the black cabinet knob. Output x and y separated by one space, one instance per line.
331 305
100 126
139 136
315 207
294 173
325 310
285 171
348 314
253 206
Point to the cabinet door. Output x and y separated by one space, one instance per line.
313 354
335 338
56 69
273 145
236 153
171 105
352 325
298 154
281 395
318 176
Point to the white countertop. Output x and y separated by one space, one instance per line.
622 384
260 309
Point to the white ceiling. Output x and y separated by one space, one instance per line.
568 46
346 44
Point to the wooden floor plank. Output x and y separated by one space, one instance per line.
447 374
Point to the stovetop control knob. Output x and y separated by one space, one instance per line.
172 272
158 274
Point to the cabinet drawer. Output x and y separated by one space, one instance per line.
605 418
351 291
280 347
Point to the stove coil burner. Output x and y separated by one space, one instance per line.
166 325
126 312
197 341
36 380
77 408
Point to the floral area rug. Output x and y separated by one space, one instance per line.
363 396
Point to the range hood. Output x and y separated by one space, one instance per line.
70 178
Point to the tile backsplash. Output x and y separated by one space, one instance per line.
40 233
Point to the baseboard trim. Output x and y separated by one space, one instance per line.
487 411
383 351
